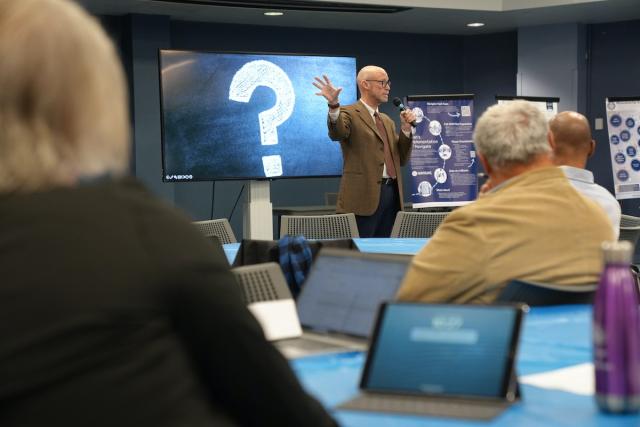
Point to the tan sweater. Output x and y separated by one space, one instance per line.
534 227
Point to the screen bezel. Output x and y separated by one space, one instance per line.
528 98
508 385
162 108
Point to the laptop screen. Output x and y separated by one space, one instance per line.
443 349
344 288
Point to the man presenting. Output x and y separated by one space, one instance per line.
531 225
371 184
573 146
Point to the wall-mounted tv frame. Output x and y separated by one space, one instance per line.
548 105
230 115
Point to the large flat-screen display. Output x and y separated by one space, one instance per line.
248 116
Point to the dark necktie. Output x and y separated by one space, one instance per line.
388 158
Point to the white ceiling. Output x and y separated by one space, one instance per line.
425 16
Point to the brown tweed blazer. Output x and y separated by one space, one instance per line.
363 158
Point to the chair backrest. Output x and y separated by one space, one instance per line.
417 224
629 221
262 282
219 228
338 226
265 291
540 294
629 229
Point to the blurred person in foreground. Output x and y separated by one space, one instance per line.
531 224
573 145
114 310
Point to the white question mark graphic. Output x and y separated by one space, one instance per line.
265 73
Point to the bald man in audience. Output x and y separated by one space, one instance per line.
531 225
573 146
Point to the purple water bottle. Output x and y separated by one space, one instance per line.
616 337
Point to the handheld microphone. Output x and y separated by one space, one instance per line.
398 103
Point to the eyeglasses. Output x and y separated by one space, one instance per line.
384 83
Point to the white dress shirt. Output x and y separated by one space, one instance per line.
582 180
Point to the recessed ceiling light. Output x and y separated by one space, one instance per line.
273 13
475 24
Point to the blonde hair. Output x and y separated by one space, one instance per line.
512 133
63 101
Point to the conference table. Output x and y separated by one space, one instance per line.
554 365
553 338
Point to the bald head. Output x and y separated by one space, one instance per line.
374 86
572 138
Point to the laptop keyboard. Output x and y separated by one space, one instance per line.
421 405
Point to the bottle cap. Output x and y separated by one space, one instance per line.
619 252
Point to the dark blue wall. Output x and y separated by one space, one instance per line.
490 67
614 70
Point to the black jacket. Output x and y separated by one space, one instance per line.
114 312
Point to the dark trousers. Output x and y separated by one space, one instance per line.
381 222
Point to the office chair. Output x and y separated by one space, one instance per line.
262 282
338 226
267 296
219 228
541 294
417 224
630 229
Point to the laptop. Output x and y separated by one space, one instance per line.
339 300
441 360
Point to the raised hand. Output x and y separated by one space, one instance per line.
327 90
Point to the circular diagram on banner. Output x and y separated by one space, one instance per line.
630 122
444 151
635 165
435 128
622 175
625 135
615 120
620 158
440 175
615 139
631 151
425 189
419 114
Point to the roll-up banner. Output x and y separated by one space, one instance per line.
623 123
443 162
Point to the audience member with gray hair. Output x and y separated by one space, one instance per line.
115 310
531 225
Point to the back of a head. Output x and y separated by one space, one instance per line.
513 133
63 102
572 137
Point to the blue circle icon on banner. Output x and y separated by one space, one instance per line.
631 151
635 164
630 122
615 120
625 135
623 175
616 140
620 158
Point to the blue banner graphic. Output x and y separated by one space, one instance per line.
443 163
623 122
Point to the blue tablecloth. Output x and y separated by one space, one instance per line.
406 246
378 245
553 337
